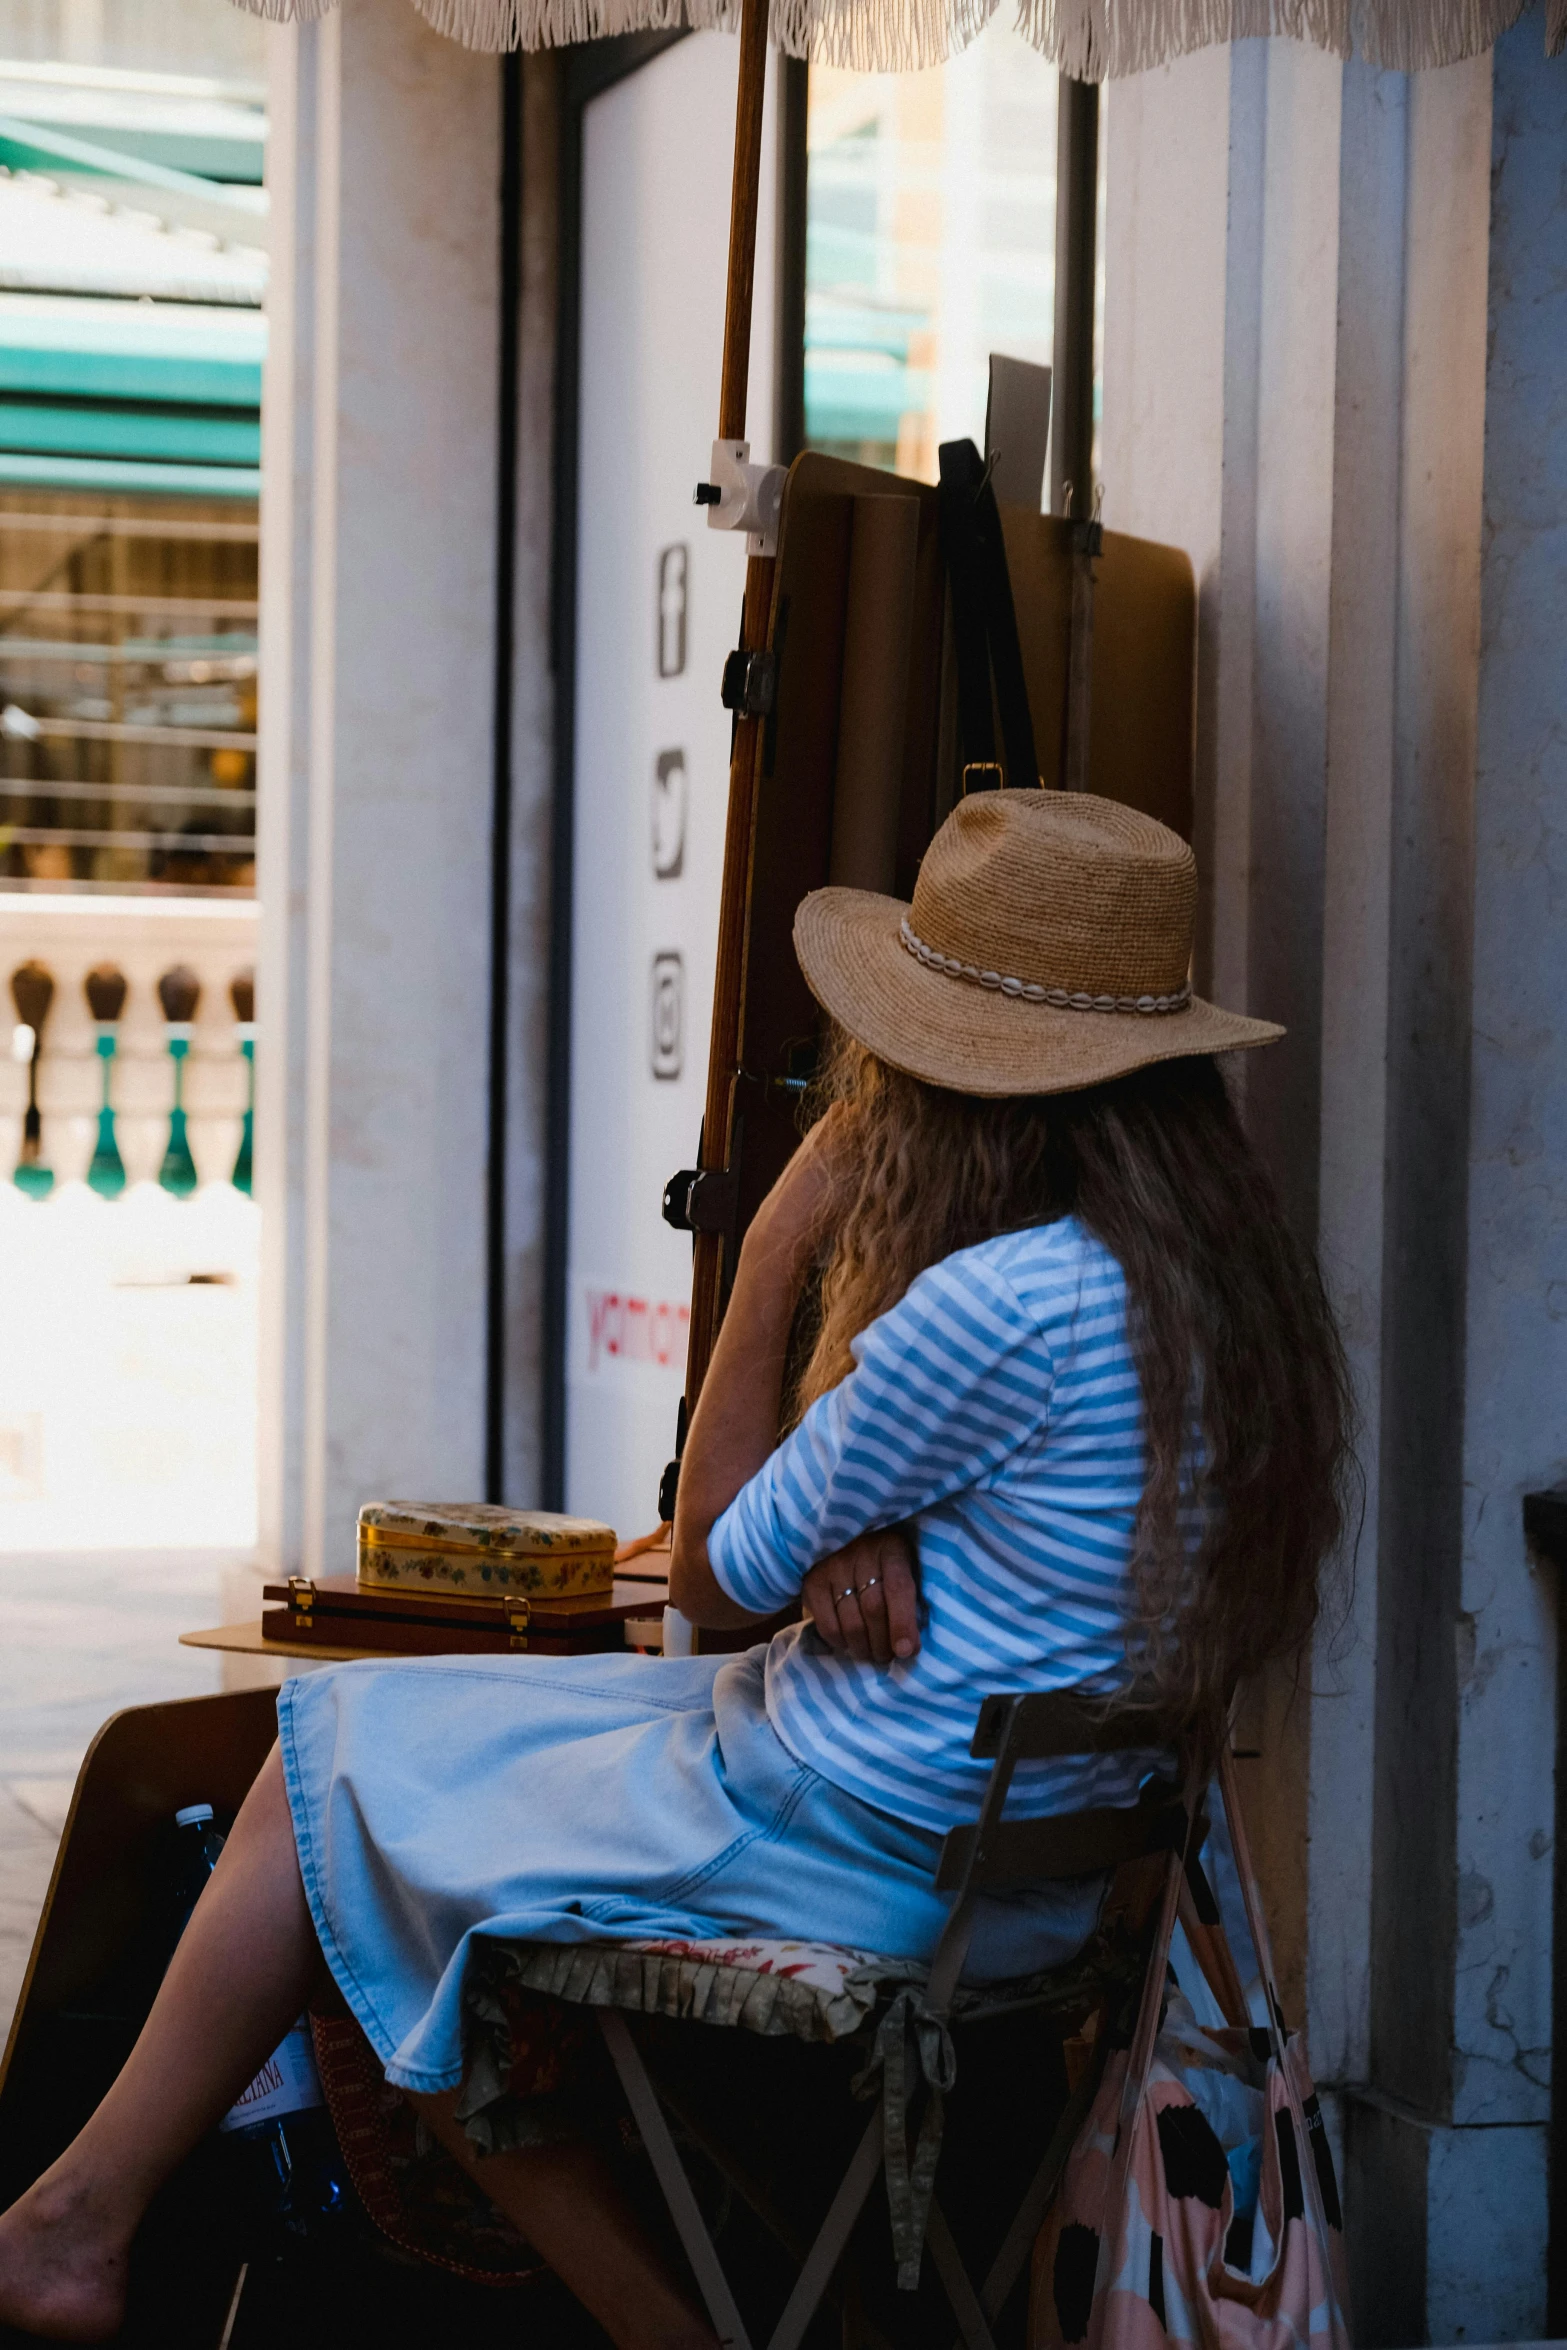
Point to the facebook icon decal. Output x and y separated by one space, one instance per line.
673 565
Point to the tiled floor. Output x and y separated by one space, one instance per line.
82 1634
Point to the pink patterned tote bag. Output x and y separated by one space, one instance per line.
1199 2203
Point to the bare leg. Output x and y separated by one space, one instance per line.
564 2199
245 1967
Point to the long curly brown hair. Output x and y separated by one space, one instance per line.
1228 1323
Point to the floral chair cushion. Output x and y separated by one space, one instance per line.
810 1990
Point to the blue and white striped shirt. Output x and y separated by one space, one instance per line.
996 1406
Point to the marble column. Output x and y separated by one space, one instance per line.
1487 2178
1332 373
378 593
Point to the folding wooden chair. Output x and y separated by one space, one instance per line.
910 2018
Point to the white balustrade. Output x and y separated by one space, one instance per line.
143 938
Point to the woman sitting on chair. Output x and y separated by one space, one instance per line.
1064 1339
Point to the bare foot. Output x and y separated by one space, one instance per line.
62 2265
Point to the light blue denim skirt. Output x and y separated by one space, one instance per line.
576 1799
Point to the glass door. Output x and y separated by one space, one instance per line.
931 228
656 609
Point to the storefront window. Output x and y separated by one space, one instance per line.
128 675
930 243
133 271
133 275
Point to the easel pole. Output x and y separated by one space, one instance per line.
724 1048
742 220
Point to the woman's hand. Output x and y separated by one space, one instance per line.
864 1600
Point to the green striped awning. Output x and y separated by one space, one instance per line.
144 396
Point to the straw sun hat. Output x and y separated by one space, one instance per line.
1048 947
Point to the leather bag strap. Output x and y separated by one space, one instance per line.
984 623
960 548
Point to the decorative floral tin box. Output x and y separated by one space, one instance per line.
474 1550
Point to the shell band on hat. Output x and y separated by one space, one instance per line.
1032 992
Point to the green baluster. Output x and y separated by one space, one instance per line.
242 994
106 1175
32 992
179 991
106 992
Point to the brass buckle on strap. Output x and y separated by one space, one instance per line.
518 1612
983 775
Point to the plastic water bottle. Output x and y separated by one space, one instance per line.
279 2130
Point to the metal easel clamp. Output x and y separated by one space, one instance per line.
743 496
301 1595
701 1199
750 686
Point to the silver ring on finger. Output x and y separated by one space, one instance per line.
839 1597
870 1583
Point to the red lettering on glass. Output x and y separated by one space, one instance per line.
636 1327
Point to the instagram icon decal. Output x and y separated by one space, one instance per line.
669 998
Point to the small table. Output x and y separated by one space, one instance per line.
249 1640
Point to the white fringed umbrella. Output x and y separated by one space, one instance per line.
1092 40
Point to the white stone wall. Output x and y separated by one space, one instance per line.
1515 1389
1331 331
378 609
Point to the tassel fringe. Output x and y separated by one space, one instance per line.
287 11
879 36
1100 40
552 24
1092 40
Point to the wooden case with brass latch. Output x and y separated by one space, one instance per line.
340 1614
